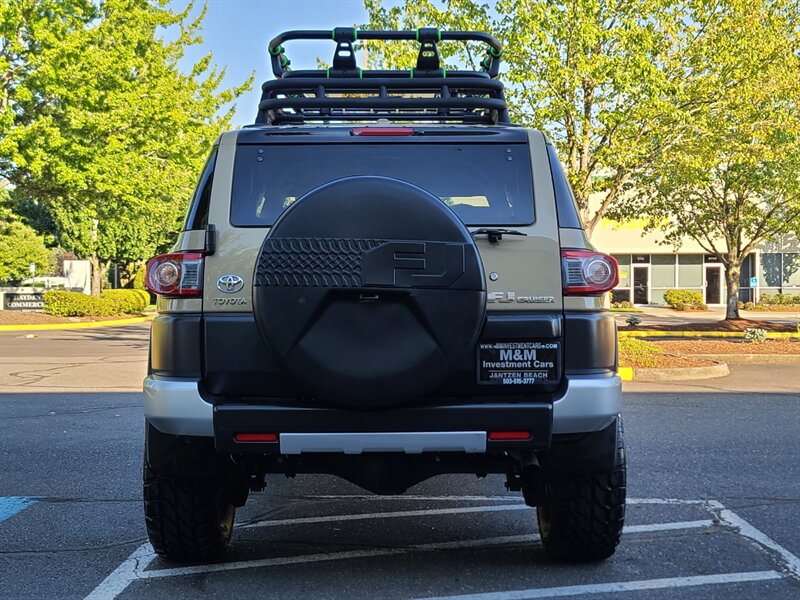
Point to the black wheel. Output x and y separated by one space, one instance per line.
188 514
581 515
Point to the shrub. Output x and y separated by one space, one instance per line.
634 352
61 303
623 304
681 299
748 306
682 306
145 295
131 302
633 321
139 279
755 335
786 299
765 299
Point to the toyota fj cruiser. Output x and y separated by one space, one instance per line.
386 280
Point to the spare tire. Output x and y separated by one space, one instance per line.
369 291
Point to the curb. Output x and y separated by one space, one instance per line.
625 373
775 335
754 359
648 375
86 325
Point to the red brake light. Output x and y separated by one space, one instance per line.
382 131
176 275
509 436
586 272
256 437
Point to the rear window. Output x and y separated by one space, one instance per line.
485 184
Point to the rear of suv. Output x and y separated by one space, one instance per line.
385 280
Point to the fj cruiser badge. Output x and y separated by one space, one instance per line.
506 297
230 284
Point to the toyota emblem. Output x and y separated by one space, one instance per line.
230 284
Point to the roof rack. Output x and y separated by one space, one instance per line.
344 92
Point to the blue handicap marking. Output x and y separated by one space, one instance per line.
11 505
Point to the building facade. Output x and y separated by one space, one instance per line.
648 268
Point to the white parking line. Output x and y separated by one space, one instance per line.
514 499
435 511
119 579
135 566
384 515
788 560
620 586
374 498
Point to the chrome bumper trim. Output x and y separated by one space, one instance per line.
175 406
591 403
417 442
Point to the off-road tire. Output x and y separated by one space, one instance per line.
581 515
188 518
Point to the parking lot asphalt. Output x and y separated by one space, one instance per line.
714 482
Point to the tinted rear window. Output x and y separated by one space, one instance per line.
485 184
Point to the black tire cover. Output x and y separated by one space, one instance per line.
370 291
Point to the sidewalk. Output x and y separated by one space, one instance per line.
666 316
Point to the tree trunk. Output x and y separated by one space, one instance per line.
732 273
97 272
97 276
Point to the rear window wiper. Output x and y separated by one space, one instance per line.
496 234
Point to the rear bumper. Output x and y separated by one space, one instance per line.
175 406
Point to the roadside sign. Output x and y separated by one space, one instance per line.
753 282
29 301
32 268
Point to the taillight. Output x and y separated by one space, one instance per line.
588 273
256 437
176 275
382 131
509 436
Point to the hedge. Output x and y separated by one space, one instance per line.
131 302
61 303
75 304
684 300
779 299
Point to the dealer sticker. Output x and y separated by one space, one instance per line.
518 363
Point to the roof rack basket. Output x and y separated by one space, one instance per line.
344 92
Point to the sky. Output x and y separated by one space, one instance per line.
237 33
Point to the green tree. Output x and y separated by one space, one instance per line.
19 245
109 133
589 73
734 181
614 83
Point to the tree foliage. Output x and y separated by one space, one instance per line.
615 83
734 181
19 245
101 125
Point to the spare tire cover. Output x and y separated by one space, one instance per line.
370 291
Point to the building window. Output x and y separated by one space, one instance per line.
791 269
770 270
690 271
662 271
622 293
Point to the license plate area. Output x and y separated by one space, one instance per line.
519 363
